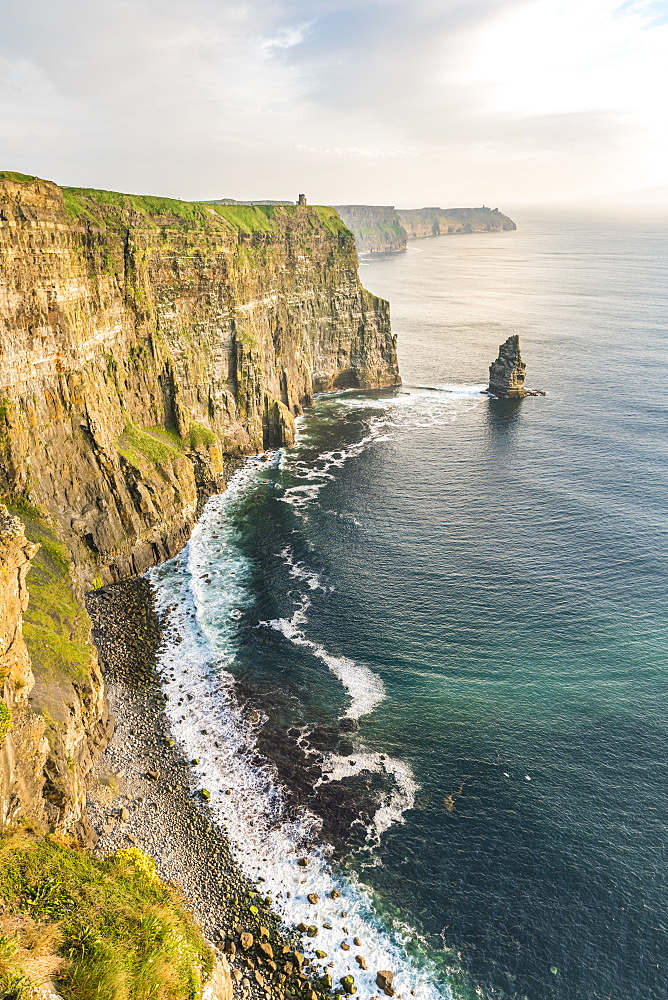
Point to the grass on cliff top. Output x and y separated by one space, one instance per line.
103 928
114 207
55 626
254 218
246 218
13 175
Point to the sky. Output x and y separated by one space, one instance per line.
508 103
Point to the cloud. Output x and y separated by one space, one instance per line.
457 101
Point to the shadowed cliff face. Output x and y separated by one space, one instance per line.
377 228
143 340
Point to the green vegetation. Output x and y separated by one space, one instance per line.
113 208
55 626
117 210
156 445
12 175
331 219
85 203
199 435
391 230
114 931
5 720
247 218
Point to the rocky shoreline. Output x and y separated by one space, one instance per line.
141 794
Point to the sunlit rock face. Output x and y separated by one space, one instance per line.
143 341
145 344
23 743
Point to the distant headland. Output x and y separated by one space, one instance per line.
386 229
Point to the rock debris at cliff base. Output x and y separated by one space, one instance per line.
140 794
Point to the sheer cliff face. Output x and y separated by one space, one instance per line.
143 343
383 229
53 716
421 222
23 744
377 228
143 340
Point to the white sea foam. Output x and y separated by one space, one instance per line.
299 571
246 799
462 391
383 418
364 687
206 591
395 802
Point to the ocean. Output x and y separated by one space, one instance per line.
424 651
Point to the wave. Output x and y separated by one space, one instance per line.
382 418
203 591
207 594
365 688
396 801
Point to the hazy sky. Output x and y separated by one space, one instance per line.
409 102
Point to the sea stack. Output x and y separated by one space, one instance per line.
506 374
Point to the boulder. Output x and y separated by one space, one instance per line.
384 980
219 986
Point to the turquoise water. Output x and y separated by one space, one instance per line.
431 639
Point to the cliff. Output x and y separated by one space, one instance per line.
143 342
383 229
23 744
377 228
420 222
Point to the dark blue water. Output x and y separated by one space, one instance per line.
456 608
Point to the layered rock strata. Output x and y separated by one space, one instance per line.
377 228
55 715
23 744
143 340
422 222
144 344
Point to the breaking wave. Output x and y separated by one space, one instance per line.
206 594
